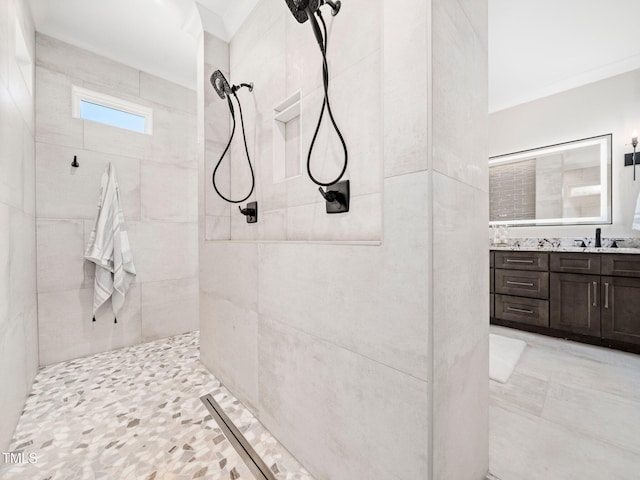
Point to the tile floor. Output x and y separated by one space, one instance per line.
569 411
136 413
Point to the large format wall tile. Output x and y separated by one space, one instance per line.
168 192
54 121
167 93
11 150
236 358
169 308
15 382
164 251
18 323
158 179
61 246
58 56
460 118
406 91
67 330
307 384
5 265
23 262
325 307
68 192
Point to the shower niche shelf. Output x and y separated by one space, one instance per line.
287 158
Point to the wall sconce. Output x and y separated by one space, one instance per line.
630 158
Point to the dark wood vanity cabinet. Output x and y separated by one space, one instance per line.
575 303
621 309
588 297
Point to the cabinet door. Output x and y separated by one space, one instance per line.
621 309
574 302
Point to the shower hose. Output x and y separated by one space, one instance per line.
246 149
327 105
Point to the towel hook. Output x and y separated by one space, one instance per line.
75 162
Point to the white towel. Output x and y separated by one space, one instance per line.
636 215
109 247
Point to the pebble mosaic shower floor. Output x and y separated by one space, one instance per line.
133 414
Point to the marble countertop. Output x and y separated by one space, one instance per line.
550 248
567 244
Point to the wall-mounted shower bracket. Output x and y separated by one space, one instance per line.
251 212
337 197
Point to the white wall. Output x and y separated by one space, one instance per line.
607 106
364 361
158 179
18 304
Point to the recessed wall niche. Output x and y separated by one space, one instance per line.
287 158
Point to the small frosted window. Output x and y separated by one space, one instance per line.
111 116
113 111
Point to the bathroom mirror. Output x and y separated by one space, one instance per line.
563 184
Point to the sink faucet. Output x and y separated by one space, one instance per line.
598 240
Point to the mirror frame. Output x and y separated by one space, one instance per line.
605 142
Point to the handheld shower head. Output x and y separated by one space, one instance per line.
220 84
299 8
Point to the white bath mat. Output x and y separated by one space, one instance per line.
504 353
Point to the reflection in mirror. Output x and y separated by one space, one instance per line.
564 184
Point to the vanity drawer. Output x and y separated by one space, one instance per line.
621 265
522 260
588 263
522 310
523 283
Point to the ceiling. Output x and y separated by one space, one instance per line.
536 47
541 47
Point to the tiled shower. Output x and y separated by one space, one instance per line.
345 335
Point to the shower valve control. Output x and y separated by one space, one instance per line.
337 197
251 212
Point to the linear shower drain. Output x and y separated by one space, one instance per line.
237 440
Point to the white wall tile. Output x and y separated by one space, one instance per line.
354 34
54 121
174 137
67 330
405 87
214 205
362 222
67 192
169 308
29 173
117 141
23 262
217 228
326 306
58 56
61 246
4 44
235 360
5 259
377 438
241 287
168 192
18 345
11 152
460 118
13 375
164 251
166 93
